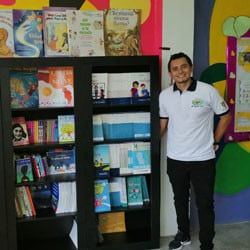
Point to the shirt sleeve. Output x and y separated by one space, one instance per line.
219 105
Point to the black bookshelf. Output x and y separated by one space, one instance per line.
52 232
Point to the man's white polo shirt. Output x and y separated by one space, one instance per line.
191 120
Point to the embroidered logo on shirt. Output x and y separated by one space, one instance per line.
223 104
196 103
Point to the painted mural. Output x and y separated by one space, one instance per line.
232 189
151 21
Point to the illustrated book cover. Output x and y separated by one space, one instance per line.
112 222
28 33
19 131
134 191
66 128
24 88
61 162
56 42
102 161
6 33
24 170
122 32
102 198
99 85
85 31
56 87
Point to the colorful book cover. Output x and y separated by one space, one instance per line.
102 199
112 222
66 128
24 170
24 88
102 161
61 162
55 31
134 191
145 194
139 157
133 84
122 32
85 29
19 131
6 33
99 85
56 87
28 33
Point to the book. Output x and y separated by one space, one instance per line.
145 194
102 161
85 30
113 222
97 128
41 196
6 33
24 170
55 31
24 88
102 198
19 131
122 32
99 85
66 128
61 162
28 33
56 87
23 200
134 191
139 157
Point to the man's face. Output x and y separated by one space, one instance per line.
180 70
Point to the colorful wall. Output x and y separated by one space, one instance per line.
232 188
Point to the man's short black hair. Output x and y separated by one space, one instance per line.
177 56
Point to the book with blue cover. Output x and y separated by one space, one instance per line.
28 33
134 191
24 170
102 161
102 198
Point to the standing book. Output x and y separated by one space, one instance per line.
6 33
24 88
28 33
56 87
122 32
19 131
102 198
55 31
134 191
24 170
85 29
66 128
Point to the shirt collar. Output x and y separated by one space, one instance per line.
192 86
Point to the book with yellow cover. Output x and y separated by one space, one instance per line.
112 222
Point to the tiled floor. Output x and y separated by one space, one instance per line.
227 237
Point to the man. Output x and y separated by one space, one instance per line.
187 111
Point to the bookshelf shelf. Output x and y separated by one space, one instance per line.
53 231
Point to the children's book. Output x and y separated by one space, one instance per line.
66 128
112 222
56 87
134 191
19 131
102 198
24 88
55 31
6 33
122 32
102 161
99 86
24 170
28 33
139 157
85 30
61 162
